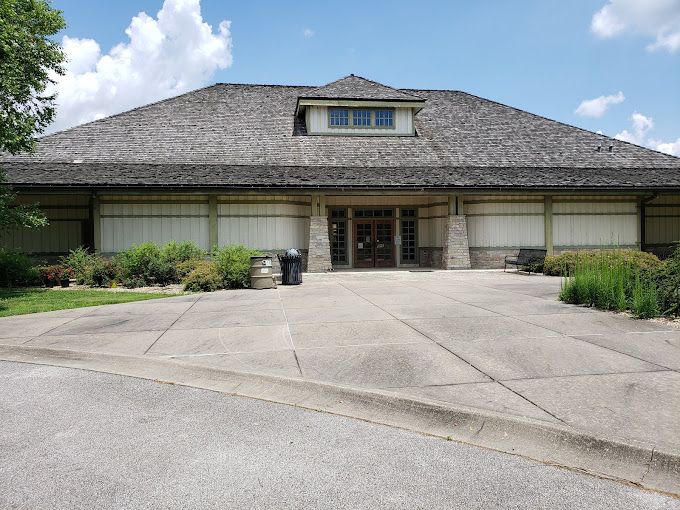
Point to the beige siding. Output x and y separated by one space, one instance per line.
505 221
68 216
594 221
160 218
662 220
264 222
318 123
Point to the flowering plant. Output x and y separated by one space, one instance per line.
56 272
50 272
66 273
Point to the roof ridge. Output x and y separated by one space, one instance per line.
387 86
400 91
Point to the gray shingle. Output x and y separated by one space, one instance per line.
243 136
356 87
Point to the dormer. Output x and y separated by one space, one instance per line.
355 106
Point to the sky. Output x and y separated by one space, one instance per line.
609 66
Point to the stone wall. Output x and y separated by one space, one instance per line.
490 259
456 252
319 253
430 257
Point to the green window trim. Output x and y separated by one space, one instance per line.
361 118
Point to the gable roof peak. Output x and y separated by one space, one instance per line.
358 88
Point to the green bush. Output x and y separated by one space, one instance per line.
616 280
147 264
204 277
644 304
142 265
98 273
17 270
233 265
565 264
174 252
667 283
78 260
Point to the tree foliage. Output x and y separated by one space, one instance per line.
29 62
14 216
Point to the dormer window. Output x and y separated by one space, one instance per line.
354 106
384 118
361 118
339 117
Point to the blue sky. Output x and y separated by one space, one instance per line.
546 57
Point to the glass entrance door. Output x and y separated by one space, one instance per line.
374 243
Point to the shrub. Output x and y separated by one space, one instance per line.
667 283
186 267
619 280
51 273
174 252
565 264
147 263
78 260
16 269
233 265
98 273
142 265
204 277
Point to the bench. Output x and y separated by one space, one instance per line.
526 257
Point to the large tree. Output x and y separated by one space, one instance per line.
29 61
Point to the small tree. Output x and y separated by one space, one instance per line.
29 61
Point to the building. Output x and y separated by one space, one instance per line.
355 173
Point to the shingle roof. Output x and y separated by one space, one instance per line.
356 87
242 136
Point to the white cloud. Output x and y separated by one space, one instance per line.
653 18
596 107
166 56
307 32
672 148
641 126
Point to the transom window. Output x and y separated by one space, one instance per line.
339 117
361 118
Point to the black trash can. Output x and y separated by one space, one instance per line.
291 267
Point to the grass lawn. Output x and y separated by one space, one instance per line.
23 301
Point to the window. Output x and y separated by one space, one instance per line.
384 118
408 236
339 117
373 213
338 236
361 117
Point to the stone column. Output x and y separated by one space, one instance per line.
319 255
456 252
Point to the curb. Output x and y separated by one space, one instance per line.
628 461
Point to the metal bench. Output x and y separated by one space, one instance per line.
526 257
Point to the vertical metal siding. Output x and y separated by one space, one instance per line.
66 214
257 224
157 219
504 221
606 221
662 220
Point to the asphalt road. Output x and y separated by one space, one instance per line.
78 439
